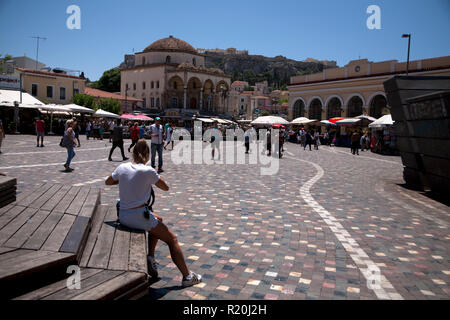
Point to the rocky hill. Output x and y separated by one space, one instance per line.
255 68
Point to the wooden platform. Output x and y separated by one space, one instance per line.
55 226
7 190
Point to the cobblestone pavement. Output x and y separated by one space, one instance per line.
321 228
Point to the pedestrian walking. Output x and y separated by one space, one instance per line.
88 129
69 143
156 134
316 140
141 131
134 135
215 140
40 131
308 140
269 142
302 134
111 125
117 141
355 143
135 180
169 131
247 141
326 138
362 142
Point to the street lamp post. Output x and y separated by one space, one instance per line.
407 35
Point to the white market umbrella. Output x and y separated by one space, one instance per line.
348 121
302 120
78 108
384 121
105 114
205 120
269 120
54 108
327 123
363 117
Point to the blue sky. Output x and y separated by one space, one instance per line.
297 29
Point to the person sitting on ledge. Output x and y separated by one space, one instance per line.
135 180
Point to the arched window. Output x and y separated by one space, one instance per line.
157 84
334 108
152 85
355 107
168 59
299 109
377 106
315 110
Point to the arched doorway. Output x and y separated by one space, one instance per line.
222 96
208 95
175 92
378 106
193 103
334 108
354 107
315 110
299 109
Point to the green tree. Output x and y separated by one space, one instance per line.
84 100
3 60
110 105
264 113
109 81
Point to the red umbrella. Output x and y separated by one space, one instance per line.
333 120
279 126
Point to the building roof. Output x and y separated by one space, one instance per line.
105 94
170 44
48 73
239 83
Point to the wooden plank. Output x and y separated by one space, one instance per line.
102 250
33 263
13 254
7 201
36 193
120 249
53 202
86 285
22 195
77 236
4 250
96 226
6 208
138 252
77 203
67 200
38 238
92 201
39 202
85 273
25 232
56 238
15 224
113 287
10 215
6 182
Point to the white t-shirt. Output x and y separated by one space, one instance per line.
135 181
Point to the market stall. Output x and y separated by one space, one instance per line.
383 135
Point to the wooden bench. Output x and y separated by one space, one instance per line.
42 233
7 190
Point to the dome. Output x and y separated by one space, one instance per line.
170 44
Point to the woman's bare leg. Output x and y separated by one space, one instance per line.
152 240
163 233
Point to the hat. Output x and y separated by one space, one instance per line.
157 118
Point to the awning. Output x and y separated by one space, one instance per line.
384 121
269 120
205 120
78 108
327 123
7 98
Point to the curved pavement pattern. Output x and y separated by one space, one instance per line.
318 229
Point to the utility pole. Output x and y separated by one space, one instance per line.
37 50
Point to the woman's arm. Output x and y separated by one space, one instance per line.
162 185
110 181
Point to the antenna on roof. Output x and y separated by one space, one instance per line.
37 50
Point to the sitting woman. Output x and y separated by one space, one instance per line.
135 179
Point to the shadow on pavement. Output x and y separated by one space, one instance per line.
444 199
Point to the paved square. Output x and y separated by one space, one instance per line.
328 225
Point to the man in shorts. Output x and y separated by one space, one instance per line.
40 131
215 140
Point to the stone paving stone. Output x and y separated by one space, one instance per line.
236 226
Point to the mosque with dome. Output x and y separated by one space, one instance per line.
172 80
